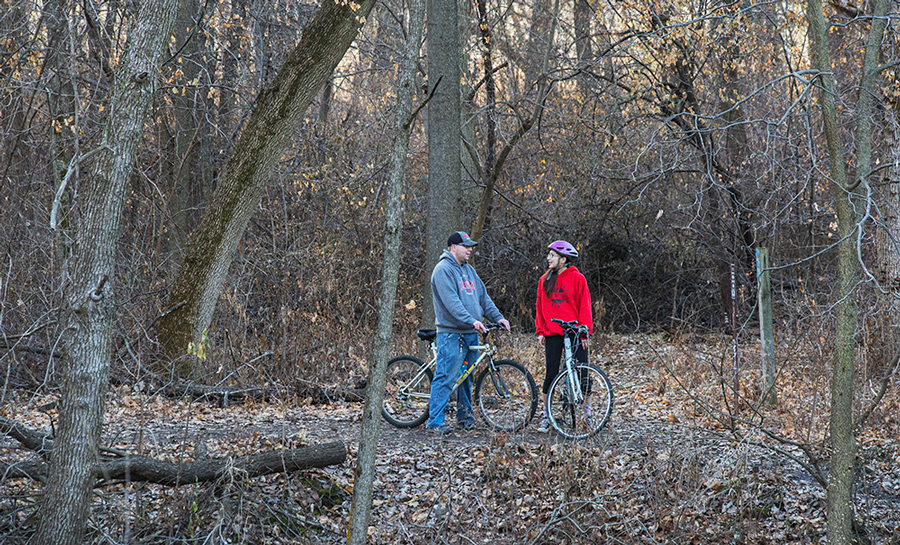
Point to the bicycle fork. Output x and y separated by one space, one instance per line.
497 379
573 381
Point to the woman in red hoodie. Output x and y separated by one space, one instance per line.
562 294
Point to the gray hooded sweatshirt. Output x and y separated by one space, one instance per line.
459 297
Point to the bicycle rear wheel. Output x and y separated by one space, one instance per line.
407 390
579 420
506 395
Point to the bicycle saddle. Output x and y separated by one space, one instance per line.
427 334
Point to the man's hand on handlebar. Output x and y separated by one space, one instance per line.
478 326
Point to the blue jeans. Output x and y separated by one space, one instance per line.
453 350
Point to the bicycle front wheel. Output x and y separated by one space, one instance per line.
505 395
407 391
575 418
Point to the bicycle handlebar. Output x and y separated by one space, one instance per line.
428 335
573 326
490 326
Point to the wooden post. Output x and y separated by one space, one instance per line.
767 343
735 358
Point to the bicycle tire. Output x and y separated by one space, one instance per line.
504 412
400 408
571 420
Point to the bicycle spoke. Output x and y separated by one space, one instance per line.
506 395
584 418
406 392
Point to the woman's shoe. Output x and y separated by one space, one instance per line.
545 425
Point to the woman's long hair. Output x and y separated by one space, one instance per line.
550 281
552 275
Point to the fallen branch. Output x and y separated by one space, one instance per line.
226 395
151 470
130 468
36 441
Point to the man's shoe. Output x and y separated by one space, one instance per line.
443 429
466 424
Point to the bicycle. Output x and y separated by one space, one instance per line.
504 392
580 400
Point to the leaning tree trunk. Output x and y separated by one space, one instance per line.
279 108
90 304
363 486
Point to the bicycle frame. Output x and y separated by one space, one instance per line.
573 381
502 390
576 390
485 350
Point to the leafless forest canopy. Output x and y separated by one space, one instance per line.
668 140
674 140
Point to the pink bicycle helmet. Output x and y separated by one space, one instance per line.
564 248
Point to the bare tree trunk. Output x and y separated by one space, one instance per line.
279 108
63 108
843 440
135 469
361 509
187 138
887 246
490 122
90 297
15 105
444 178
583 16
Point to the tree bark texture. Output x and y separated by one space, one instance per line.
188 133
278 110
887 244
847 202
89 290
444 178
144 469
364 476
887 248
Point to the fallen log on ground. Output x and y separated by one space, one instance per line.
133 468
224 396
151 470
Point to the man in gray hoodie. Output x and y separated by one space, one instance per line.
460 304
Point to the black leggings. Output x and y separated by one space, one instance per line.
553 348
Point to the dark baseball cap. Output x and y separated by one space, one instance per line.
462 238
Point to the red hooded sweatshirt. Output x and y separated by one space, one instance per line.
570 300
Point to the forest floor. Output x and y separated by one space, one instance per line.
661 472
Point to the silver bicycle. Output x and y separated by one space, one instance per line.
504 392
580 401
